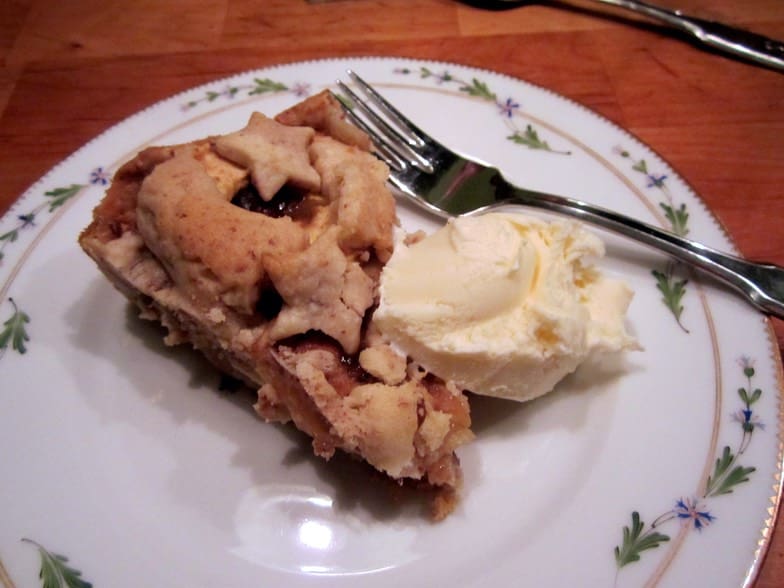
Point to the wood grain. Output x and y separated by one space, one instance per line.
70 70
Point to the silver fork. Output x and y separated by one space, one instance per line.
448 184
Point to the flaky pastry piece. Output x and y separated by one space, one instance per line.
262 248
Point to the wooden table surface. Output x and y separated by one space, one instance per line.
71 69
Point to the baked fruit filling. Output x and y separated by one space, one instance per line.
263 249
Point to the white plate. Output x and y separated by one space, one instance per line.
124 457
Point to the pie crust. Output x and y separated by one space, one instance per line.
262 249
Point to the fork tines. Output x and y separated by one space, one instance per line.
399 142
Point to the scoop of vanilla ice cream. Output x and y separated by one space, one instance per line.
502 304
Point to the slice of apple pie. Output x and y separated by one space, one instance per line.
262 249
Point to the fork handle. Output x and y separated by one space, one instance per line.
761 283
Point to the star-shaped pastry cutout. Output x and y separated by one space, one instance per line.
275 155
323 291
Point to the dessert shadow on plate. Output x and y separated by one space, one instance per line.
353 485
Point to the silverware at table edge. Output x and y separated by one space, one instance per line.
448 184
720 36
